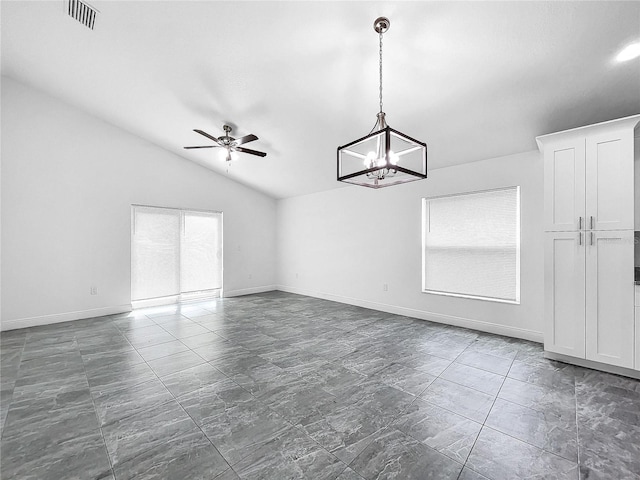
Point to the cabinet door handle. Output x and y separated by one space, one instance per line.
579 223
591 222
580 238
591 236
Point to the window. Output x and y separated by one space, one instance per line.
471 245
175 254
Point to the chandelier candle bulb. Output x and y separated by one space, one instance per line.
388 156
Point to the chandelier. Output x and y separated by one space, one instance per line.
385 156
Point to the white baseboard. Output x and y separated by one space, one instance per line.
424 315
582 362
249 291
62 317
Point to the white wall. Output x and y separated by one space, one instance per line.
346 243
68 182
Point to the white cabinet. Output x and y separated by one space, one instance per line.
589 244
610 330
564 285
589 178
589 296
637 327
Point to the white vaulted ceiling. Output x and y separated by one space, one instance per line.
474 80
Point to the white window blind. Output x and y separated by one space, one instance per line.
201 252
175 253
471 245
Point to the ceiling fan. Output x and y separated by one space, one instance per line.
231 144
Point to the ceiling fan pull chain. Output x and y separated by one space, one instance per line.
380 33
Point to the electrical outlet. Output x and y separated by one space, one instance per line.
385 287
94 290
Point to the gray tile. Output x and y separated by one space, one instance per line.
364 362
115 376
148 429
602 401
185 330
349 474
609 449
147 336
53 437
381 400
291 454
154 352
207 403
190 456
404 378
208 338
396 455
38 457
444 431
56 369
126 324
311 400
34 350
300 363
175 363
553 433
240 428
98 360
343 430
114 405
228 475
468 474
459 399
496 456
440 349
426 363
484 361
221 351
553 375
495 345
334 378
193 378
539 397
475 378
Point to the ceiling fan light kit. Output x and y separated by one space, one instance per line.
385 156
232 145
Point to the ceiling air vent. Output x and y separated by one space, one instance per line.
82 12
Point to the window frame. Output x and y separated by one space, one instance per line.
180 296
425 220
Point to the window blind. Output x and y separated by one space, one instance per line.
471 245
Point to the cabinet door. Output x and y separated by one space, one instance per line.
610 180
637 352
564 183
564 283
610 297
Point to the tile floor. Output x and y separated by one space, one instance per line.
280 386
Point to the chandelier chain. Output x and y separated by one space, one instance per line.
380 34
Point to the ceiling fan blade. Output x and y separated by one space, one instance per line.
251 152
245 139
204 146
207 135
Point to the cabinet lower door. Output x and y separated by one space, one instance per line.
610 297
565 293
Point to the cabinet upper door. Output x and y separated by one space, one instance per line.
609 180
564 184
610 297
564 293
